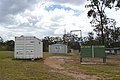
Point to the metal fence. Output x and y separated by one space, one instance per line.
93 52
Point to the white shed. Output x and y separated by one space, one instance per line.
28 47
57 48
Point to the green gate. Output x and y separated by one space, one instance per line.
86 51
93 52
99 51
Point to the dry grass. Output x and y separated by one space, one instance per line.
108 71
26 69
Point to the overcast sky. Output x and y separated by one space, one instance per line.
42 18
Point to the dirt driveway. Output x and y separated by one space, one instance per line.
55 63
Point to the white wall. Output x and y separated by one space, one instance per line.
57 48
28 47
75 51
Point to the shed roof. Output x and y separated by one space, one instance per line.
116 48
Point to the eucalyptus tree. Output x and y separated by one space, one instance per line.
1 39
90 37
115 36
72 40
100 20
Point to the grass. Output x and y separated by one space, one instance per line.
26 69
108 71
57 54
11 69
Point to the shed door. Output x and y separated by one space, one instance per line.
29 54
58 49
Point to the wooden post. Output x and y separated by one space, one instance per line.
104 59
80 60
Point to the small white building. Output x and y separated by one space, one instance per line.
57 48
115 50
76 51
28 47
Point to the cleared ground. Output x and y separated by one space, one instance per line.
56 62
58 67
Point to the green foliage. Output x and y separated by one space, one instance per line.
112 38
71 40
7 46
100 20
118 4
74 45
50 40
1 39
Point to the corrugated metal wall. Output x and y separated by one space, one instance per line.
57 48
28 48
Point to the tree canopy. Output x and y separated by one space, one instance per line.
100 20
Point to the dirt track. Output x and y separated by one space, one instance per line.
55 63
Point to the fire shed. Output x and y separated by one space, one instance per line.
57 48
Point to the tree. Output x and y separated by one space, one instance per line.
72 41
46 42
90 37
9 45
50 40
1 39
115 35
97 11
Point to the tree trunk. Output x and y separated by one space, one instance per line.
102 35
101 22
102 28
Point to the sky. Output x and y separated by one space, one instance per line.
42 18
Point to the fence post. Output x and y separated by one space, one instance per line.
80 60
104 59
